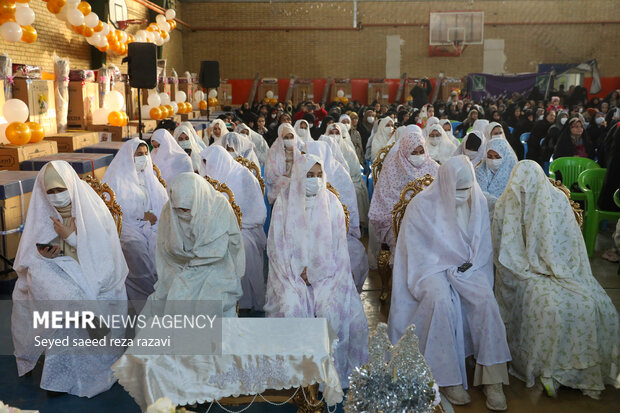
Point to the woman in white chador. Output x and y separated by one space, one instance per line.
90 275
184 137
219 165
240 145
562 327
494 171
379 138
341 181
260 145
440 147
302 128
216 132
194 134
199 247
443 283
141 197
279 164
309 264
168 156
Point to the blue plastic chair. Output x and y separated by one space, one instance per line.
523 138
511 129
455 124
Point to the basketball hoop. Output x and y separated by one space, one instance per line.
123 24
452 49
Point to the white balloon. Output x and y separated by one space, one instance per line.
212 93
91 20
62 15
75 17
91 40
124 37
11 32
105 30
114 101
100 116
165 26
73 2
159 41
170 14
167 39
160 18
180 97
15 110
164 98
140 36
175 107
150 37
199 95
24 16
154 100
340 93
269 94
146 111
96 39
20 5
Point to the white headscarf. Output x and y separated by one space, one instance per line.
480 125
444 150
191 128
217 140
275 165
170 158
489 128
241 145
304 134
260 145
495 182
430 122
128 184
450 134
218 164
479 155
381 137
196 149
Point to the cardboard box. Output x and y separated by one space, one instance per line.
303 91
15 192
163 88
102 147
189 89
83 163
448 86
344 86
224 94
38 94
264 88
109 133
174 87
12 155
83 102
73 140
378 92
2 97
148 125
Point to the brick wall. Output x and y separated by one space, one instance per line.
361 54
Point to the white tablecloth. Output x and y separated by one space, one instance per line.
257 354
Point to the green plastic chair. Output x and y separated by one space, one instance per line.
571 167
591 182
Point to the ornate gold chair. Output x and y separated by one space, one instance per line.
222 187
377 164
254 169
158 173
344 207
575 205
109 198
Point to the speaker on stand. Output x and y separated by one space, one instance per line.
209 77
142 71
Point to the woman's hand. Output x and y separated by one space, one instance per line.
64 230
149 216
50 252
304 276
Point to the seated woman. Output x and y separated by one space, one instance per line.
409 162
260 144
83 265
185 139
309 265
199 246
168 156
574 141
472 146
141 197
279 164
194 134
494 131
237 144
447 127
341 181
493 174
216 132
443 283
302 129
380 138
439 146
562 327
219 165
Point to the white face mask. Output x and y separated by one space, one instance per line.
599 120
462 195
540 117
185 144
59 200
288 143
499 135
470 154
434 140
348 125
563 121
370 119
312 186
494 164
140 162
417 160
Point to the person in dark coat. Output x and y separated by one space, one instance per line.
574 141
420 93
524 125
612 177
597 129
539 132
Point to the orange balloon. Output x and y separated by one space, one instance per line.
202 105
118 34
18 133
212 101
130 38
164 34
155 113
115 118
79 29
172 23
84 7
53 7
183 107
170 109
122 49
164 111
104 48
7 8
114 44
37 133
29 34
22 1
4 19
110 36
98 27
125 119
88 31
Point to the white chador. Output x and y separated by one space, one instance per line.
199 248
138 192
219 165
89 276
168 156
445 227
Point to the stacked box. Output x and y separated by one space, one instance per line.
83 163
378 92
83 102
109 133
102 147
303 90
38 94
73 140
12 155
346 88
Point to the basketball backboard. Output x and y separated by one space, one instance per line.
450 32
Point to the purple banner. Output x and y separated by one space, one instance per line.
483 86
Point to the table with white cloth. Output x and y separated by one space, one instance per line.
258 354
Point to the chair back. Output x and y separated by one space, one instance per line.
109 199
344 207
406 195
223 188
570 168
254 169
378 162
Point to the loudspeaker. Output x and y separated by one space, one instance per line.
209 73
142 69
